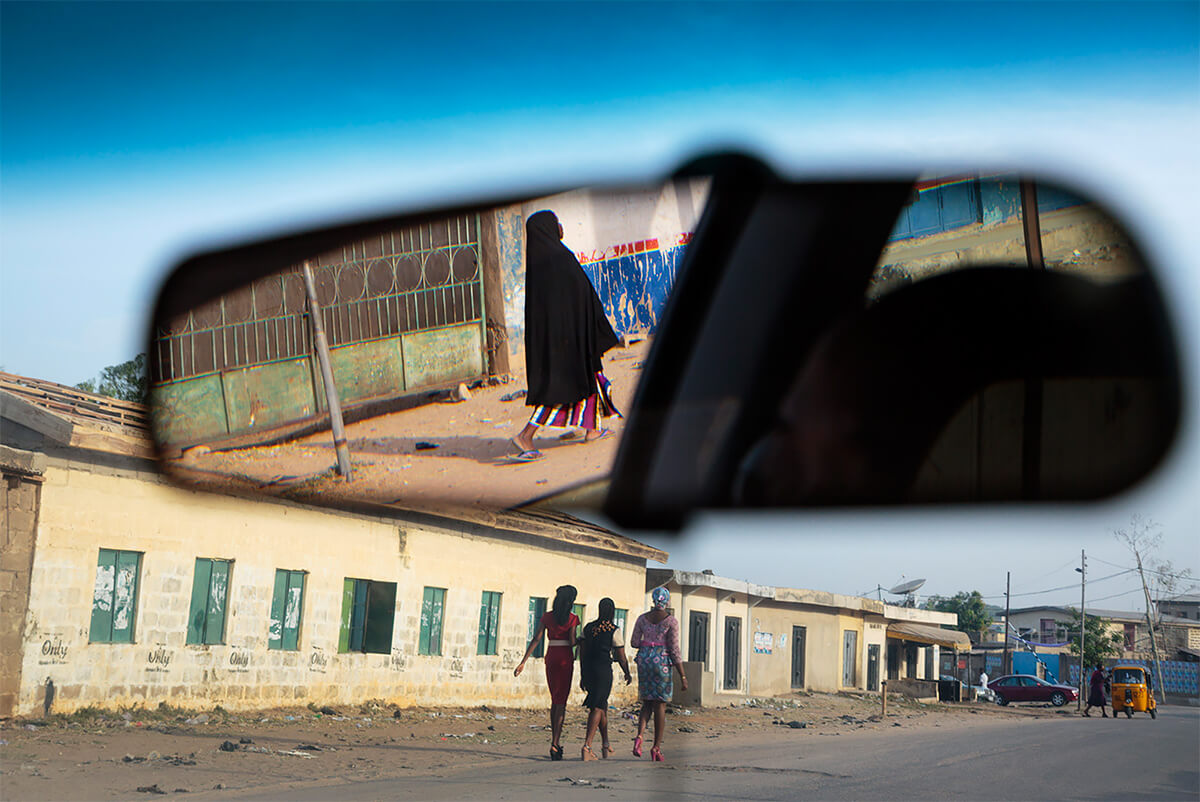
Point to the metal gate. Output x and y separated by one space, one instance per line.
873 667
733 652
849 659
799 636
402 310
698 638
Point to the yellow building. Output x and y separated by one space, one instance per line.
741 639
118 588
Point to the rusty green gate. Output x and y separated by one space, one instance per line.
403 312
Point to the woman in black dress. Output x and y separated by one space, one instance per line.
566 334
602 642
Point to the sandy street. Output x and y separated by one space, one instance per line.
274 753
468 464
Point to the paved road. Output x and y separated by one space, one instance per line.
1063 757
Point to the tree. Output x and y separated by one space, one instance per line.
973 614
1163 579
126 381
1099 642
1142 539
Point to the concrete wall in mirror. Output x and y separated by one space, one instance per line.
426 331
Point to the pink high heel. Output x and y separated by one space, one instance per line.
656 754
637 746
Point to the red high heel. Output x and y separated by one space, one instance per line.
637 746
656 754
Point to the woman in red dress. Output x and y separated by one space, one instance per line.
559 625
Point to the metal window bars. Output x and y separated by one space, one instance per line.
413 279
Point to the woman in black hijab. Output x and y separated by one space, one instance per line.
566 334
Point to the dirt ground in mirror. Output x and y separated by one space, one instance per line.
140 753
469 464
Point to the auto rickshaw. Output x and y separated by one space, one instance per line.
1132 692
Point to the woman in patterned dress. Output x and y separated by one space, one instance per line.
559 626
656 637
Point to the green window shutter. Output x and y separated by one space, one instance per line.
293 610
426 619
102 597
347 612
278 608
124 608
358 621
435 633
199 606
381 615
432 603
537 609
489 619
214 625
579 610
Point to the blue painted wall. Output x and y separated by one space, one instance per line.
634 288
977 202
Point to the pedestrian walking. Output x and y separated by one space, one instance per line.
566 335
559 626
656 637
1096 693
602 643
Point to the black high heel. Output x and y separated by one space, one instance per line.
556 752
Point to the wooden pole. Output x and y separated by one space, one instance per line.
331 395
1162 691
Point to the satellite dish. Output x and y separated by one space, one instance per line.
907 587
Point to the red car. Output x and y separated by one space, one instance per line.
1028 688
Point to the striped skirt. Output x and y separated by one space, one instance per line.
586 414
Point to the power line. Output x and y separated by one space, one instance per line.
1115 595
1148 570
1062 587
1067 564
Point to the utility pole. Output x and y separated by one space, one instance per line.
1150 623
1082 569
331 395
1007 606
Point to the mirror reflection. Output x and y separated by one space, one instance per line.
481 359
1010 347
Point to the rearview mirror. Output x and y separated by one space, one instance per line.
750 342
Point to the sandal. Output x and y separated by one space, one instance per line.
606 751
532 455
586 753
556 752
603 434
656 754
637 746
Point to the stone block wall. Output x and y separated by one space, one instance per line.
86 510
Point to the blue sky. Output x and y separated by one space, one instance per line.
132 134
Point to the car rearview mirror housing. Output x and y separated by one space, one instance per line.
967 337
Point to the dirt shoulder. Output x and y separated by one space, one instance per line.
456 452
106 755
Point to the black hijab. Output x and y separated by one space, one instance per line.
566 330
